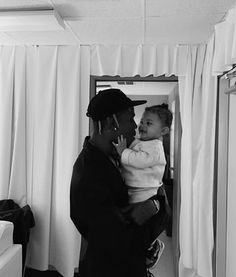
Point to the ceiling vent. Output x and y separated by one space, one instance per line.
31 20
125 82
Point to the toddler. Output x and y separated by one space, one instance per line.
143 163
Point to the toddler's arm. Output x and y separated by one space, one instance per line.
140 158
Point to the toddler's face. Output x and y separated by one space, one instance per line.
150 126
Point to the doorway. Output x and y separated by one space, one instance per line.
157 90
225 219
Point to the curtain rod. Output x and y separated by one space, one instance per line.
116 44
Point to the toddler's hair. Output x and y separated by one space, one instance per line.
163 112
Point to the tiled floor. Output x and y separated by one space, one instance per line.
165 266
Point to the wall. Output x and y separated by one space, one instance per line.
226 190
142 88
231 203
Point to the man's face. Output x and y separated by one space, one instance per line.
127 125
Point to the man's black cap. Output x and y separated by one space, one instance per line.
108 102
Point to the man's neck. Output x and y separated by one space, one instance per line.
102 144
107 148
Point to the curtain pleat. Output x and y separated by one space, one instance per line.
206 165
43 148
64 243
225 44
198 110
197 88
143 60
17 182
7 55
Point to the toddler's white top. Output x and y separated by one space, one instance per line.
143 165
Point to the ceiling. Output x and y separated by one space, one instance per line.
122 21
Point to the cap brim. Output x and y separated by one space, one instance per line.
138 102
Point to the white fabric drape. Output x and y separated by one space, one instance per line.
44 95
197 88
143 60
225 44
198 111
40 120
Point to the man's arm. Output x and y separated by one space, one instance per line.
139 213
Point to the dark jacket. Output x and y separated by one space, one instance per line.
97 193
23 220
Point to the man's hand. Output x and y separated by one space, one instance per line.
139 213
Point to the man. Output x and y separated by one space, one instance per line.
116 233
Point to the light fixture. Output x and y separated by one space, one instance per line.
31 20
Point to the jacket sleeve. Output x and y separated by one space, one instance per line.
92 202
97 195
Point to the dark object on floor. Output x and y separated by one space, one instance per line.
23 220
169 192
36 273
29 272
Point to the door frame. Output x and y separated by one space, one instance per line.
176 185
221 177
223 195
177 150
94 79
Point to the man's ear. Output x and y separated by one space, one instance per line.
165 131
109 124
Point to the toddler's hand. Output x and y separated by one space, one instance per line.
121 145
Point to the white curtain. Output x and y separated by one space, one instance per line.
143 60
197 88
225 44
198 116
44 95
42 125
